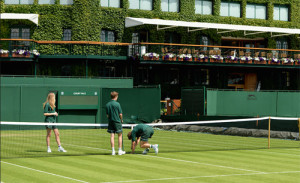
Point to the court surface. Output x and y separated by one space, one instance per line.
183 157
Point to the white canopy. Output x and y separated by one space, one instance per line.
32 17
131 22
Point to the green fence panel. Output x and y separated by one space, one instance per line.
288 104
193 101
241 103
10 103
138 104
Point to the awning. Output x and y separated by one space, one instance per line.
221 28
32 17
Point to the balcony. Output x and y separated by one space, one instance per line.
160 53
149 53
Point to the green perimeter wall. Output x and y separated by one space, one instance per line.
246 103
22 98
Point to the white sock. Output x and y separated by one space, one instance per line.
113 149
120 149
48 147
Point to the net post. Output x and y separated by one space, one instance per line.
269 133
299 127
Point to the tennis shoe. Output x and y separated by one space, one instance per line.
49 150
121 152
113 153
155 148
146 151
61 149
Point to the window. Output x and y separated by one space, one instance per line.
281 44
20 33
281 12
203 7
256 11
170 5
107 36
17 33
201 77
230 9
46 1
67 35
111 3
140 4
204 41
18 1
66 2
172 37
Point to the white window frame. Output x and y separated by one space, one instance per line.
169 6
109 4
228 7
202 7
46 2
66 2
281 7
141 3
19 2
255 16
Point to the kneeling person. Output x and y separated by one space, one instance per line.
141 133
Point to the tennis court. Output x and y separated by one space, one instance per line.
183 157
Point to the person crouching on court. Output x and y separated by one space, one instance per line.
50 117
141 133
115 120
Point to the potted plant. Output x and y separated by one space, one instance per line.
151 56
4 53
21 53
246 60
231 59
274 61
287 61
185 57
260 60
169 57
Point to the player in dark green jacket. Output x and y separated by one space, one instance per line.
141 133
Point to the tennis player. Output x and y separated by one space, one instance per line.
115 120
50 117
141 133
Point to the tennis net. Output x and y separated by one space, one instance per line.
28 139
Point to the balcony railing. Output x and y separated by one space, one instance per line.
214 54
148 52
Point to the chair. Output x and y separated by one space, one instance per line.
269 55
248 54
283 55
263 54
256 54
241 53
163 50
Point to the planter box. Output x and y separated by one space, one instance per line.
150 58
297 63
273 63
246 62
169 59
289 63
260 62
231 61
198 59
4 55
18 55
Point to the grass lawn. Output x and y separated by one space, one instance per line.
183 157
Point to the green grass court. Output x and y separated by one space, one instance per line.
183 157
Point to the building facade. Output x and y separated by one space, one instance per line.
91 38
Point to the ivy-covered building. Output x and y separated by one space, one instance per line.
246 44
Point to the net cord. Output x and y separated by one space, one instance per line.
150 124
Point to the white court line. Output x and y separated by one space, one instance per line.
207 176
194 162
44 172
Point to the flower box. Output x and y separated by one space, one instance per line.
288 63
260 62
246 62
167 58
150 58
297 62
273 63
20 55
231 61
197 59
3 54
